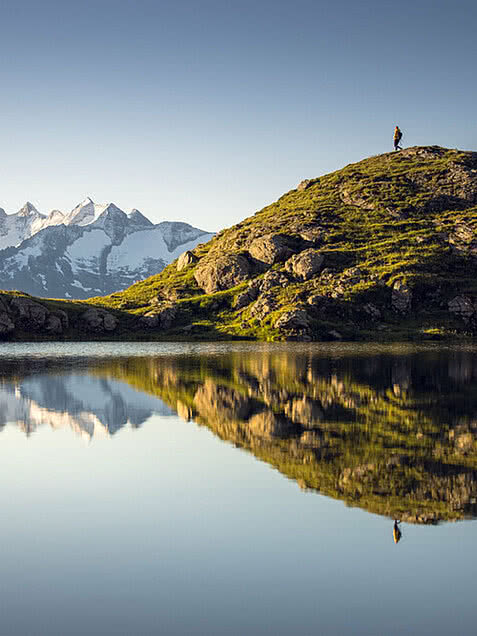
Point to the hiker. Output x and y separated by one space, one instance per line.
397 138
396 531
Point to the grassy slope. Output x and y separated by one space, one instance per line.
387 231
383 215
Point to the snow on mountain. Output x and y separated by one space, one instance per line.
85 212
87 404
93 250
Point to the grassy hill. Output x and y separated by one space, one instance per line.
384 248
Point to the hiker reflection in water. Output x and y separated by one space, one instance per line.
396 532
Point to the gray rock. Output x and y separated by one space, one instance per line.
462 307
160 319
222 273
98 320
401 297
312 233
246 297
6 324
293 319
305 264
28 314
186 259
53 324
63 316
303 185
273 279
264 305
270 249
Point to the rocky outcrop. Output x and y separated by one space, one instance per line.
305 264
462 307
6 324
401 298
161 318
97 320
28 314
186 259
293 319
271 248
223 272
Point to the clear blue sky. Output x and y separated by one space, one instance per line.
207 110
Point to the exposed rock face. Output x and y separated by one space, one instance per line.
264 305
306 183
161 318
6 324
293 319
53 325
305 264
401 297
270 249
222 273
98 320
246 297
28 314
186 259
462 307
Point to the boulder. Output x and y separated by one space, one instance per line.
98 320
6 324
63 316
186 259
222 273
264 304
303 185
53 324
270 249
161 318
462 307
305 264
401 297
246 297
312 233
273 279
28 314
293 319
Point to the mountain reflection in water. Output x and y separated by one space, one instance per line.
393 434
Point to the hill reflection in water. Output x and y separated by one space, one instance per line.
394 434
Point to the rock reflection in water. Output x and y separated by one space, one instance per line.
393 434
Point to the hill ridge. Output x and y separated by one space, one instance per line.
383 248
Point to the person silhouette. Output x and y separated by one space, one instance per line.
397 534
397 138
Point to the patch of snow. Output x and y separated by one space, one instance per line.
84 253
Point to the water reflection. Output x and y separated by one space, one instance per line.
393 434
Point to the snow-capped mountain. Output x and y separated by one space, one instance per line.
88 404
93 250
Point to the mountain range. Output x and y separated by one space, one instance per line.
95 249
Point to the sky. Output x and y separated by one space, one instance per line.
205 111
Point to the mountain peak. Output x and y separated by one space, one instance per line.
138 218
27 210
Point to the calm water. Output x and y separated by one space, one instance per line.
237 489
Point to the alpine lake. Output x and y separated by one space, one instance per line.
238 489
